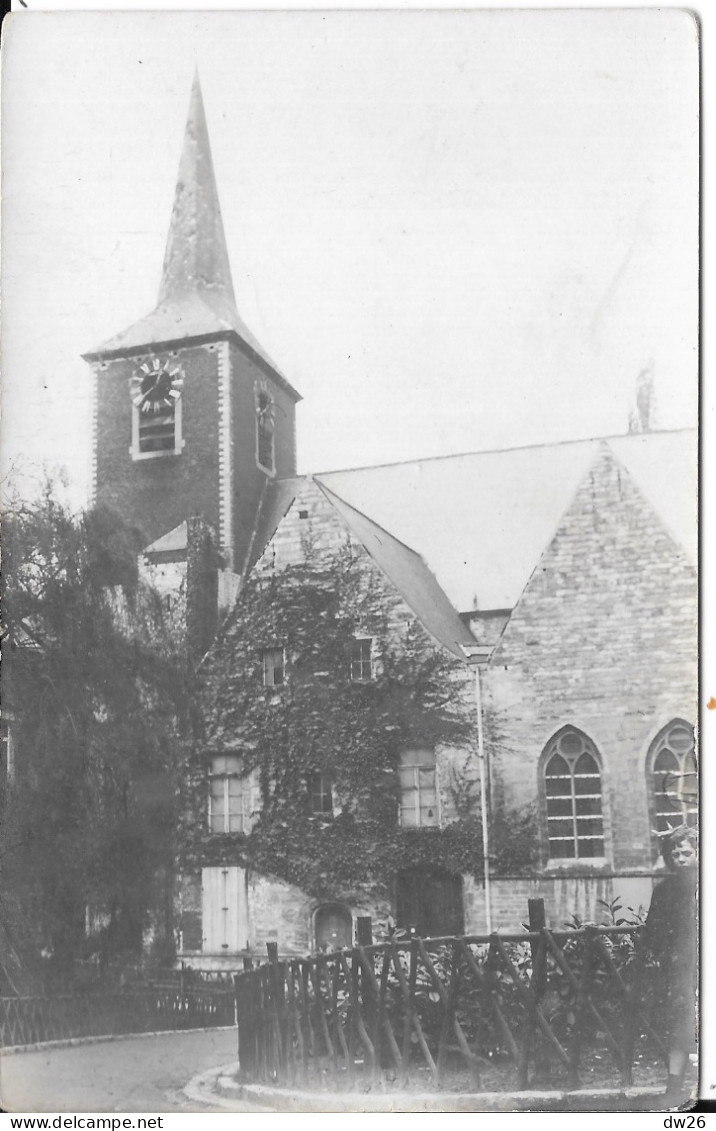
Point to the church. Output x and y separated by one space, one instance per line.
429 690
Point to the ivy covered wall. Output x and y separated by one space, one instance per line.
315 590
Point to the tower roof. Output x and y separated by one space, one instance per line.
196 295
196 259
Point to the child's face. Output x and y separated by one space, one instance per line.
683 855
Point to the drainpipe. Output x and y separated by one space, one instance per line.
477 656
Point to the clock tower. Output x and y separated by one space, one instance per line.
192 417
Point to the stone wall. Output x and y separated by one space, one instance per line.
564 897
278 913
604 639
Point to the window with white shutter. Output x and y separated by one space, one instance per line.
224 910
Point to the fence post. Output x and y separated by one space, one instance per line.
582 1004
537 923
632 1018
364 930
237 1013
538 981
277 990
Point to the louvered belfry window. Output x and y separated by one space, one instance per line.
265 423
674 777
573 792
157 430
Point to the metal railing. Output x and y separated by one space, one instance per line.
30 1020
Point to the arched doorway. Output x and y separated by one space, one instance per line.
332 927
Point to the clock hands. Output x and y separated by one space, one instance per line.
157 388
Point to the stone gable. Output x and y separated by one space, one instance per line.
310 533
603 638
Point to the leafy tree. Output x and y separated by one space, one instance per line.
95 687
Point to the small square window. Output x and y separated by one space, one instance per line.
320 794
362 659
274 667
7 767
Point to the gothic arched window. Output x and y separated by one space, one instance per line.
573 797
671 764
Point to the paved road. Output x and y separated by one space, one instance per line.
134 1074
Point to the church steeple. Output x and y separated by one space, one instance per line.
196 295
196 260
192 417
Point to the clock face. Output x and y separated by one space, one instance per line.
156 386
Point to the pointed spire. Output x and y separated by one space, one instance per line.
196 295
196 259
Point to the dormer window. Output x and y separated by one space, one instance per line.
265 423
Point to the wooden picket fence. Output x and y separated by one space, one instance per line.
30 1020
476 1009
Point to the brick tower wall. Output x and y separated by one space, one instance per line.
249 479
155 495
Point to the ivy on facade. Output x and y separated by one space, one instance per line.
321 721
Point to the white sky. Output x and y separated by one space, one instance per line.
452 230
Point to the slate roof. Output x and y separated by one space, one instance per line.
173 542
403 567
409 574
278 497
196 295
482 520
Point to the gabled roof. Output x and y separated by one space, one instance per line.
482 520
409 574
174 542
196 295
403 567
